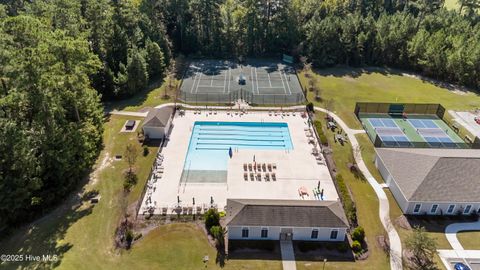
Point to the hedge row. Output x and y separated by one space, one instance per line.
347 201
321 135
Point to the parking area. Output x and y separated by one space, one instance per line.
467 119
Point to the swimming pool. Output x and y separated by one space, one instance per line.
210 142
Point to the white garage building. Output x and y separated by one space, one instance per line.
157 123
432 181
307 220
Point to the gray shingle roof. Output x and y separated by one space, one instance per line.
434 175
158 117
294 213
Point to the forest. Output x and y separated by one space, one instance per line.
60 59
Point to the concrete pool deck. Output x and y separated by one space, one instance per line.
295 168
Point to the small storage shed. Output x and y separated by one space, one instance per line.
158 122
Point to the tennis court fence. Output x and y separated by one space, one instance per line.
399 108
232 97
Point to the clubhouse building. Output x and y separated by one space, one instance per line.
432 181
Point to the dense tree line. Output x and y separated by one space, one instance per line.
59 58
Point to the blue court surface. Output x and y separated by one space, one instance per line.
423 123
382 122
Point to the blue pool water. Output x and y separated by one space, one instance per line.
210 141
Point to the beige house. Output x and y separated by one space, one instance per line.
432 181
157 123
303 220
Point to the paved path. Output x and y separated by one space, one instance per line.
452 229
384 207
288 256
127 113
395 243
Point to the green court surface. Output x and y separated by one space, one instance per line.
414 131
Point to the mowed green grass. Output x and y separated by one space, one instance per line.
343 87
469 239
367 211
82 235
155 94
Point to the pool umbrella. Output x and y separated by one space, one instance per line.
230 153
253 158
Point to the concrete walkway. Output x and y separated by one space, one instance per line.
384 207
127 113
395 243
288 256
452 229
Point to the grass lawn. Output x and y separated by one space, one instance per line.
367 212
341 88
469 239
153 96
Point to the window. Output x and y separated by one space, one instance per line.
334 234
467 209
434 209
314 234
264 233
450 209
245 233
416 209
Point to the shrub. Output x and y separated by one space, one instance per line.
219 234
130 180
129 237
347 201
146 151
356 246
323 139
309 107
358 234
318 126
212 218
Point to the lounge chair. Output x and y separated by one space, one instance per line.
250 167
245 167
274 176
264 167
267 177
252 177
274 166
245 176
259 167
259 176
293 114
270 113
269 166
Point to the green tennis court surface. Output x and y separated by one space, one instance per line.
427 131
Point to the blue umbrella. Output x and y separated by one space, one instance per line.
230 153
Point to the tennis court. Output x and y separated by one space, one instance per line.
423 131
256 81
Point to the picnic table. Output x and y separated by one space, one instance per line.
331 125
340 138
